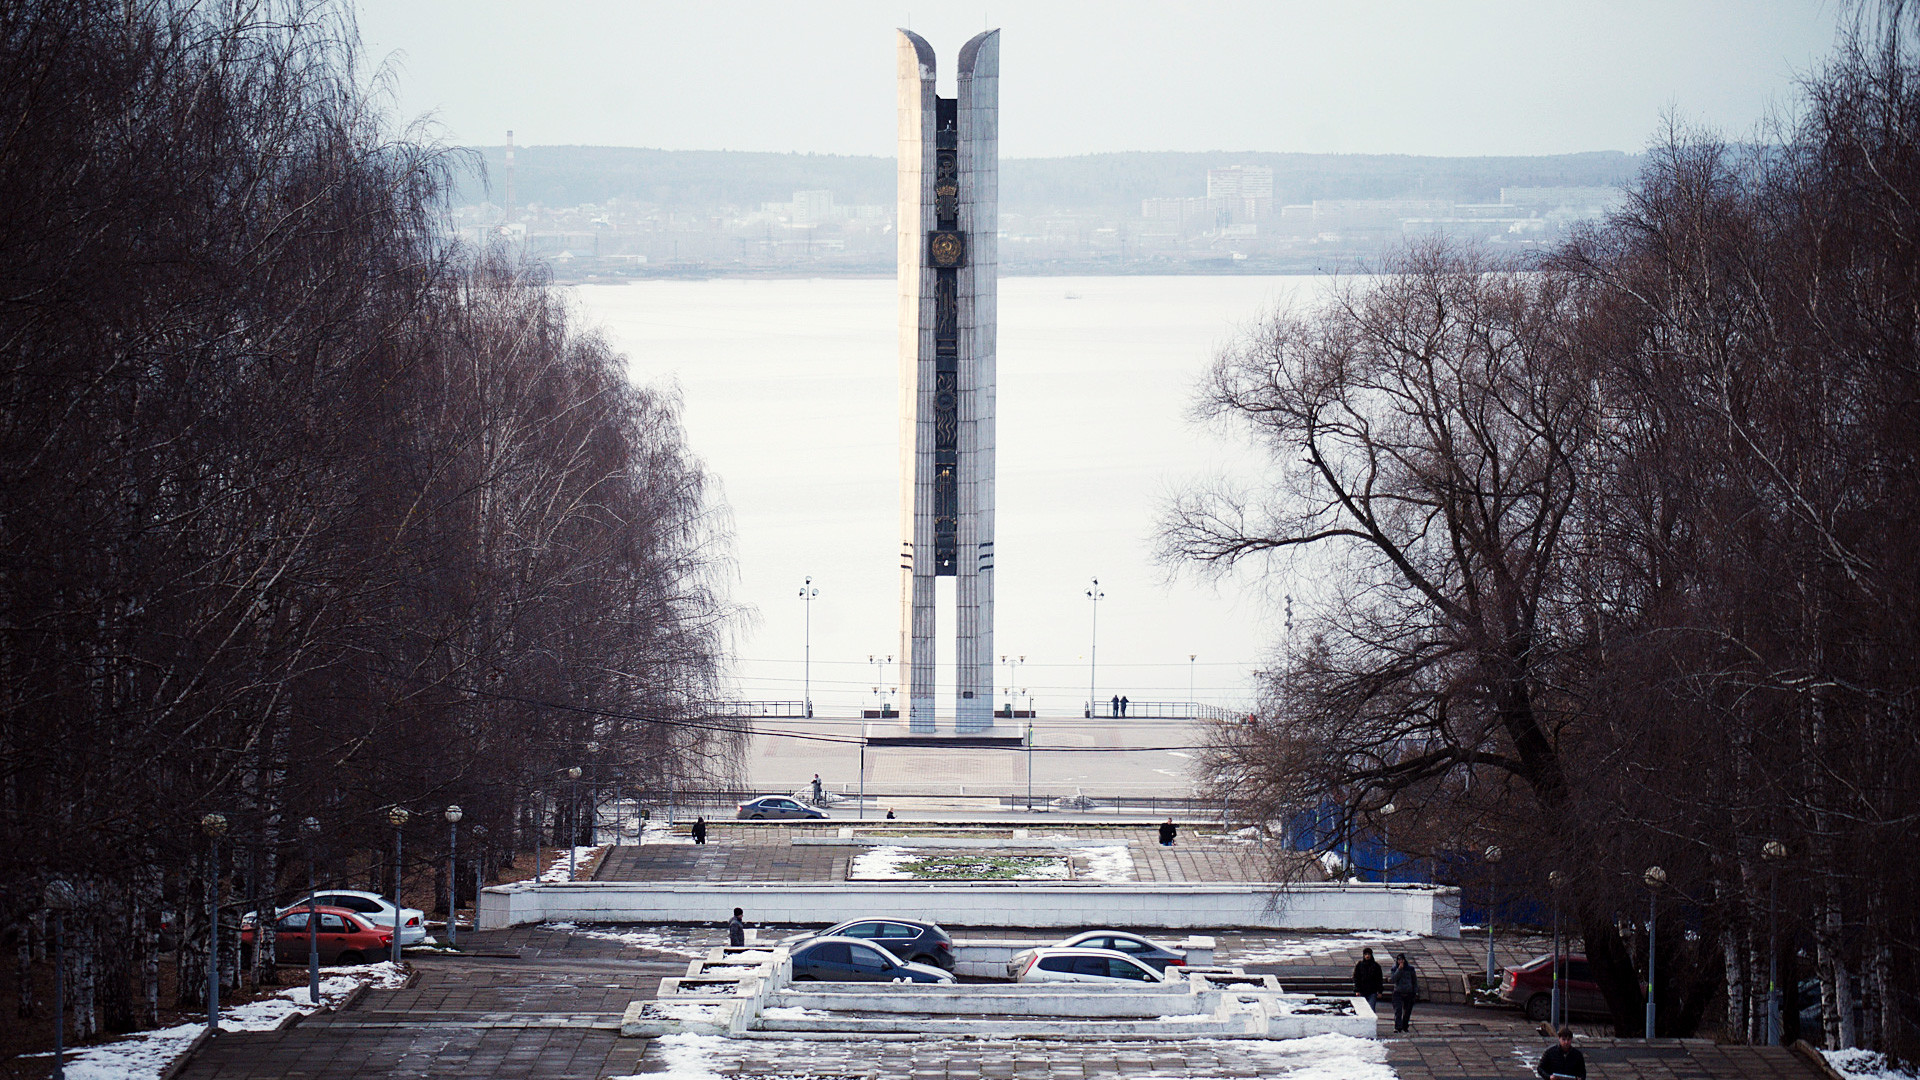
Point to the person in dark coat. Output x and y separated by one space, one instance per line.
1168 830
736 929
1368 978
1123 705
699 830
1406 989
1563 1060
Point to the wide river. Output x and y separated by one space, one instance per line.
791 399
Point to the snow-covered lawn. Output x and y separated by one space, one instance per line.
906 864
147 1054
659 832
1865 1064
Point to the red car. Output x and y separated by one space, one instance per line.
346 937
1530 986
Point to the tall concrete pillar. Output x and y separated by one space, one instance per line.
949 281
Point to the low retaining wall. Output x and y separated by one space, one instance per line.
1428 910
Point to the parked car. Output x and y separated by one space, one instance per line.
1087 966
845 959
775 806
1530 986
377 909
346 937
1156 956
916 942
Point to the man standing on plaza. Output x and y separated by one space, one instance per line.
1368 979
736 929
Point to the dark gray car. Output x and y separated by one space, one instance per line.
919 942
840 959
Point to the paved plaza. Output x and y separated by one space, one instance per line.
546 1001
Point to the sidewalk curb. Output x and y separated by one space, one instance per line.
179 1064
1801 1047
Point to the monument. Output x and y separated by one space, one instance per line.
948 271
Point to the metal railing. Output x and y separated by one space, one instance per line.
1162 710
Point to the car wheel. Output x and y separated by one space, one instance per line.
349 957
923 958
804 978
759 817
1539 1006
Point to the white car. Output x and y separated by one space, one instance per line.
377 909
1151 953
1087 966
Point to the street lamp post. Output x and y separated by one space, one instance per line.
1554 879
215 826
1192 704
1654 877
573 816
397 817
1772 853
453 815
1493 857
310 830
479 871
60 899
1386 844
1093 652
807 593
1029 766
1013 665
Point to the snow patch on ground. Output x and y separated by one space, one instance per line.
632 939
582 857
146 1055
1109 863
1866 1064
659 832
1279 952
793 1012
882 864
686 1057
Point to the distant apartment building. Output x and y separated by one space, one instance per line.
1246 191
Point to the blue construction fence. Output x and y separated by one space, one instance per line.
1372 857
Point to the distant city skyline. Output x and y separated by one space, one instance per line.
1387 77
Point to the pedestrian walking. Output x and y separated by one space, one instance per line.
1368 979
736 929
1168 830
699 830
1562 1060
818 792
1406 990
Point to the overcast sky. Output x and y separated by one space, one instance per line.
1422 77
